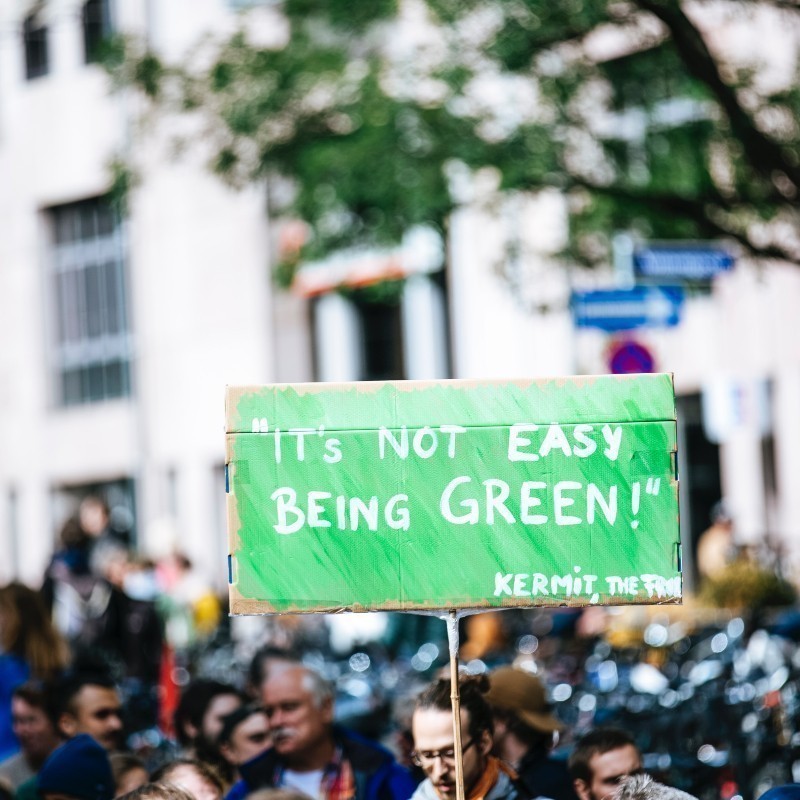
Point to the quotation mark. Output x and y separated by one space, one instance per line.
653 486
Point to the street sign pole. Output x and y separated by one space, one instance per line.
622 248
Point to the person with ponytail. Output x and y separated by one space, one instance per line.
485 776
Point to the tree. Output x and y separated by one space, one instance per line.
370 109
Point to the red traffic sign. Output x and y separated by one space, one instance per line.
627 356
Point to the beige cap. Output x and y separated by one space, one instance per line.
519 691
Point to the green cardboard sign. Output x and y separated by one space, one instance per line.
454 494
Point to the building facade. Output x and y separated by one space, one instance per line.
120 327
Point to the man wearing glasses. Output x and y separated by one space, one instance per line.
485 776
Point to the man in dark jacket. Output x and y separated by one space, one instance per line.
311 755
524 731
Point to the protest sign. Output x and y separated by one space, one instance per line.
452 494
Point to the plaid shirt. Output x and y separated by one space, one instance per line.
338 781
359 770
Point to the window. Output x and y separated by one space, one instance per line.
381 338
359 333
96 28
92 340
34 36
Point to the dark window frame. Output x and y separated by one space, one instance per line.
380 326
97 28
35 45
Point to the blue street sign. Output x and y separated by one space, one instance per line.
681 262
626 309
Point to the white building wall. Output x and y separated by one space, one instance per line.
200 299
205 314
337 342
488 325
424 330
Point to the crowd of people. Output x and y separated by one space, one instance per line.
280 741
82 663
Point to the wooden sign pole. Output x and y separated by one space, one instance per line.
455 698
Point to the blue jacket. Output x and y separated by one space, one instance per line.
377 775
13 672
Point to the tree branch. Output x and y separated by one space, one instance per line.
784 5
696 209
763 153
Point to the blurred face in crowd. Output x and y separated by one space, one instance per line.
299 722
93 515
190 779
132 779
609 769
96 710
248 739
36 734
218 709
434 750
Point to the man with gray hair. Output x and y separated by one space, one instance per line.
312 755
643 787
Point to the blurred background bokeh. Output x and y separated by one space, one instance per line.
197 194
